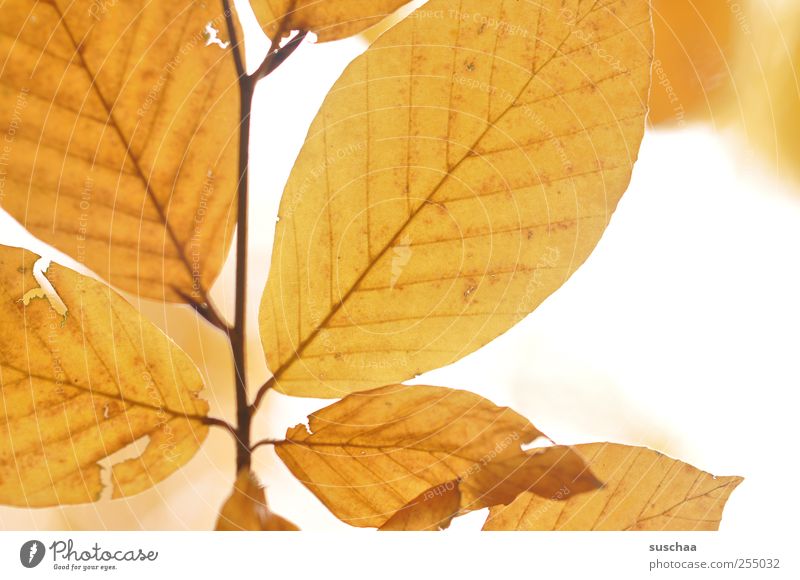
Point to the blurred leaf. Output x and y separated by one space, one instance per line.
82 382
372 454
246 509
694 48
328 19
457 174
766 100
644 490
121 133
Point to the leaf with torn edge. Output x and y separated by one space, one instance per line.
246 509
328 19
644 490
371 454
79 386
456 175
123 123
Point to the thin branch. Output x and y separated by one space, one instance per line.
214 422
206 310
237 334
278 54
265 442
262 392
238 60
238 337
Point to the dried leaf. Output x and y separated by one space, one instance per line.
77 388
122 137
371 454
644 490
457 174
246 509
432 510
553 468
328 19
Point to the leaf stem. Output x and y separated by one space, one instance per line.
238 337
278 54
262 392
208 311
264 443
214 422
237 334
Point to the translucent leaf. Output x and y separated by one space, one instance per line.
644 490
246 509
80 385
374 455
328 19
122 137
457 174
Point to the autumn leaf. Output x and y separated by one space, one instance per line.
764 104
328 19
695 47
246 509
83 382
644 490
122 137
372 454
432 510
456 175
734 65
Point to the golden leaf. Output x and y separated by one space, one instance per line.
644 490
82 385
457 174
328 19
694 48
122 137
766 99
246 509
432 510
371 454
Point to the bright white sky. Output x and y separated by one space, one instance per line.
680 332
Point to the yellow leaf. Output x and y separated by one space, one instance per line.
372 33
644 490
432 510
246 509
457 174
765 104
328 19
551 469
370 455
121 137
694 44
78 387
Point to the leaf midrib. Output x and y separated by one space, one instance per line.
304 343
112 122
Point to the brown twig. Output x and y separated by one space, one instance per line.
278 54
262 392
214 422
237 334
264 443
207 311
